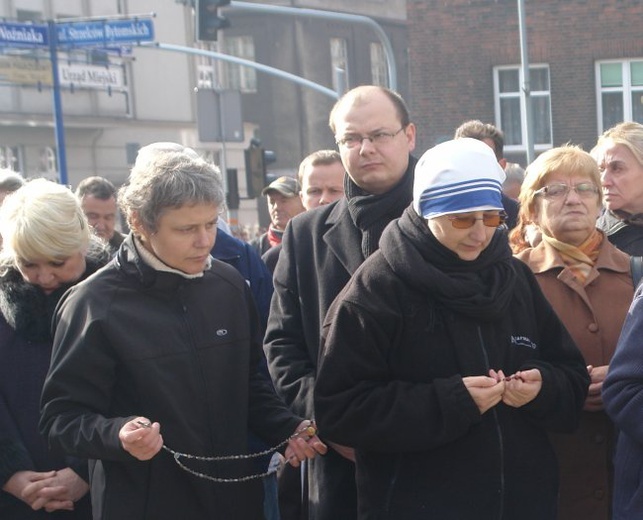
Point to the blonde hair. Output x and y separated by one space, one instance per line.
567 159
42 220
629 134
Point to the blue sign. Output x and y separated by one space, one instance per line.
23 35
108 32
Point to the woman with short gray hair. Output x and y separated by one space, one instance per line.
155 365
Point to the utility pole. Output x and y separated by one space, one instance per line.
526 87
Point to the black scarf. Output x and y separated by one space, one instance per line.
372 213
481 289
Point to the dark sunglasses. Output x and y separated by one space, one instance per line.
489 220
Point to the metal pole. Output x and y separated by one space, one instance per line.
247 63
61 154
526 88
223 159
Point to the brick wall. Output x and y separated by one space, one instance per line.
454 45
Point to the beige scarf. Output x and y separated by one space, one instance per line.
581 259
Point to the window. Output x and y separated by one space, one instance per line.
379 70
25 15
206 76
11 158
339 60
510 109
48 167
239 77
619 92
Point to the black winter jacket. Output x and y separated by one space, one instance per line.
25 350
391 386
184 352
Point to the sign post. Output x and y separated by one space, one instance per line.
69 34
61 150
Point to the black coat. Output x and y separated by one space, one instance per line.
184 352
626 236
321 249
391 386
25 351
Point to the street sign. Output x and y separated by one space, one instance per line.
13 34
25 70
108 32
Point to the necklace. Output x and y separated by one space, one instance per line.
309 430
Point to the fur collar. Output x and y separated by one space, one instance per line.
27 309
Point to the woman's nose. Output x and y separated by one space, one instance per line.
45 276
478 231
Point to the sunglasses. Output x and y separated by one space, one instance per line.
490 220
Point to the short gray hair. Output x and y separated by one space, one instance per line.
9 180
168 179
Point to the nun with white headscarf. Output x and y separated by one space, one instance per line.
444 366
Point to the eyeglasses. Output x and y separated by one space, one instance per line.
585 190
378 139
489 220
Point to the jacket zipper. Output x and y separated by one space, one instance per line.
498 430
195 357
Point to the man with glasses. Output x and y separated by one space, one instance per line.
322 249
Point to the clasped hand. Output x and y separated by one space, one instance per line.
48 490
515 390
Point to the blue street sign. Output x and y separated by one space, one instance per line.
23 35
108 32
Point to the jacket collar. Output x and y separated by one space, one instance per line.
343 238
544 257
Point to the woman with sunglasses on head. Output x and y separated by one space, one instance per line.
588 282
444 366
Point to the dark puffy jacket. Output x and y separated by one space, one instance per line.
184 352
391 386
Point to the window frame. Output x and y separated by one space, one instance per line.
337 61
626 89
379 65
498 96
245 48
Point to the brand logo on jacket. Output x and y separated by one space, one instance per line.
523 341
222 332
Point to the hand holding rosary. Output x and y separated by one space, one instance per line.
301 445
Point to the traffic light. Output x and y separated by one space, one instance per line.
255 157
208 21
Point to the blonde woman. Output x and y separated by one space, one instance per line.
48 247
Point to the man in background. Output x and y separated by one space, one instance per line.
97 197
283 204
321 178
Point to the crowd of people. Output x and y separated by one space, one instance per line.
446 337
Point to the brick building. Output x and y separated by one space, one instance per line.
586 62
